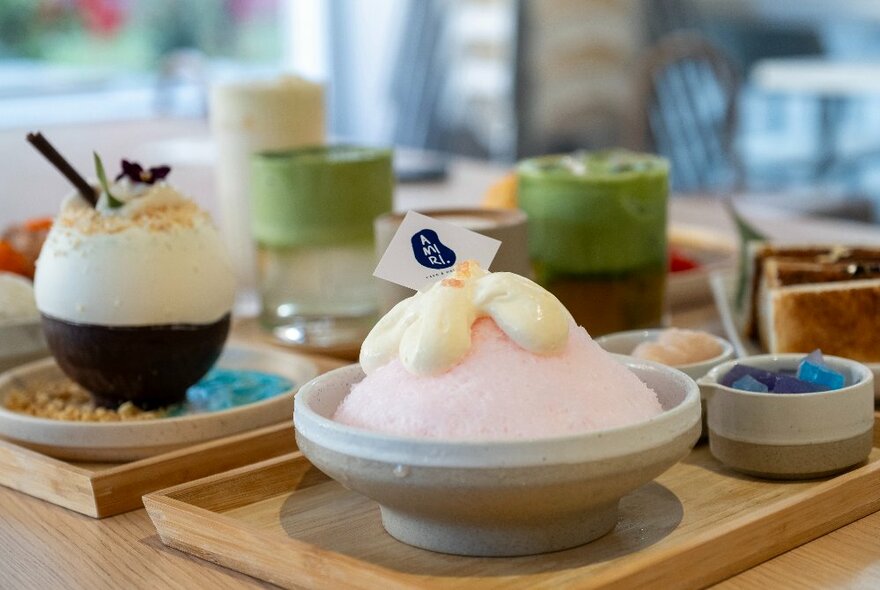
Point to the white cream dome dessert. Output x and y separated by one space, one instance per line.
135 293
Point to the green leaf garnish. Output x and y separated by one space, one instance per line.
102 178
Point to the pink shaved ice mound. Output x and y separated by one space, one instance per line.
500 391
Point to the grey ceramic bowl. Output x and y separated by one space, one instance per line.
795 435
626 342
498 498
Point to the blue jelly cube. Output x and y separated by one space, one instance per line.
789 384
749 383
817 357
738 371
814 369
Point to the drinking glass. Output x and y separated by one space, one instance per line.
597 234
312 212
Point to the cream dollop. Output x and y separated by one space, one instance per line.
431 331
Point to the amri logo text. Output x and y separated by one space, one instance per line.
430 251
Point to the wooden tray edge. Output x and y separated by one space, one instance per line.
119 489
695 563
216 478
181 526
190 463
754 538
38 475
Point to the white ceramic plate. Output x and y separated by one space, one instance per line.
128 441
723 286
711 251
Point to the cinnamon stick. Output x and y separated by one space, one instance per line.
50 153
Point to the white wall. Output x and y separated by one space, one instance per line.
364 53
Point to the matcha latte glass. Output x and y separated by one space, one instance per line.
597 234
312 212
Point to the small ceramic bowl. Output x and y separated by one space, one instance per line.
626 342
498 498
794 435
21 342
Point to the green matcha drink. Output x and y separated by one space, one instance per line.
597 234
312 212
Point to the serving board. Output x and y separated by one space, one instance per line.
285 522
104 489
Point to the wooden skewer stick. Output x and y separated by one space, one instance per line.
50 153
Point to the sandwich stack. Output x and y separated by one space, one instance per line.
808 297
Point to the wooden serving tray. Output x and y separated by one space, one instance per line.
284 521
105 489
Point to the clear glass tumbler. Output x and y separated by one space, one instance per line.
597 234
312 215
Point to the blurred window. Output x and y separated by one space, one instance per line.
65 61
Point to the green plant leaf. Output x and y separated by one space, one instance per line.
102 178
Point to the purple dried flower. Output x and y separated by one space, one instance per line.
136 173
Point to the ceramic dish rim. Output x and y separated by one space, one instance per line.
430 452
866 376
505 217
305 364
727 349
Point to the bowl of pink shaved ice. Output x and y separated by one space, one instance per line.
508 452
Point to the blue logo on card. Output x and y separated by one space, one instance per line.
430 251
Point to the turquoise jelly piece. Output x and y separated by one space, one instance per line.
222 389
818 372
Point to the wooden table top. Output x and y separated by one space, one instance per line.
45 546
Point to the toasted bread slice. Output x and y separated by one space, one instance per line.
760 252
842 318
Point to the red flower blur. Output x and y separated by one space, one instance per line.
102 17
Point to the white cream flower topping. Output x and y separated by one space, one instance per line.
431 331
